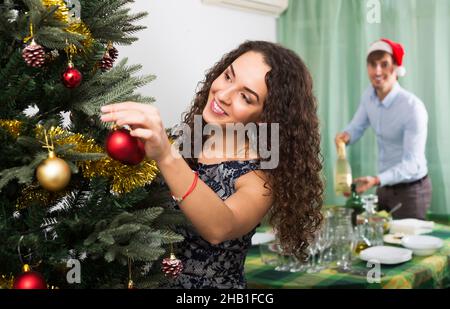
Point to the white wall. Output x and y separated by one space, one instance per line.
185 38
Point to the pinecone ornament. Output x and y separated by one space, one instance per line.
106 63
172 266
34 55
113 52
109 57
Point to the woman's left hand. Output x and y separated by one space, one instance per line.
145 123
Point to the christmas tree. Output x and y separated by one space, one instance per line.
78 217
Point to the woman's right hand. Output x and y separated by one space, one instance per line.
145 123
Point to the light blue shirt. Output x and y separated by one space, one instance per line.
400 123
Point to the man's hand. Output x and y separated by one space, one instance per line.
341 137
365 183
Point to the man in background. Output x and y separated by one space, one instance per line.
399 120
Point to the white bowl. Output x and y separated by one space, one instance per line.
422 245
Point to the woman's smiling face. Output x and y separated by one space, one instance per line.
239 93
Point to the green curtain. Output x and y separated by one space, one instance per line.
332 37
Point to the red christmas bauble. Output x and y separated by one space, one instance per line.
71 77
123 147
30 280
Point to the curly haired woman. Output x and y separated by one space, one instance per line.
225 194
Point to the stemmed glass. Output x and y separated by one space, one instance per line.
313 250
284 260
323 242
298 265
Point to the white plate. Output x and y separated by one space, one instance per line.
411 226
386 255
262 238
422 245
395 239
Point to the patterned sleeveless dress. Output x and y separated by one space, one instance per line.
215 266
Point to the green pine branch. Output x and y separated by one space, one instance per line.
72 201
147 216
112 27
113 86
9 70
131 234
23 174
57 38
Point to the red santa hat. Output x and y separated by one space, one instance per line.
395 49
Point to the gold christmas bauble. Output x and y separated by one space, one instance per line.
53 173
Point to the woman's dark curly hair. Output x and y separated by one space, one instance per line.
296 183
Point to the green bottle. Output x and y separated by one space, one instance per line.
354 202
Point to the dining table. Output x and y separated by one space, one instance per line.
421 272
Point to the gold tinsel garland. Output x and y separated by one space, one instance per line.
124 178
12 126
81 28
62 14
6 282
35 193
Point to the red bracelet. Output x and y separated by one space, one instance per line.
189 191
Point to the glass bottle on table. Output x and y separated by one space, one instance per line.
361 240
342 172
354 202
369 222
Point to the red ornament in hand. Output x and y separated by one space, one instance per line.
123 147
29 280
71 77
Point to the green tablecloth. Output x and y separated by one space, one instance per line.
420 272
